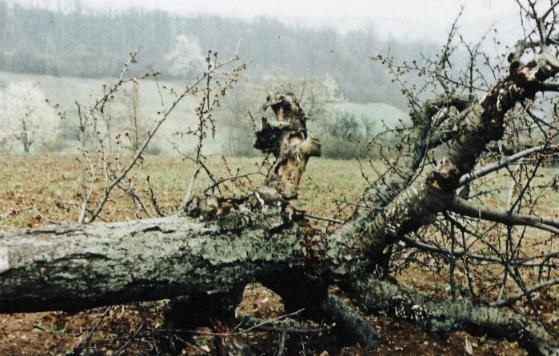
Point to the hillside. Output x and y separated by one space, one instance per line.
66 91
378 112
88 44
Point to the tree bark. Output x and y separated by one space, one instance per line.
440 317
83 266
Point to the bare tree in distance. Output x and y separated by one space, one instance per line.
429 206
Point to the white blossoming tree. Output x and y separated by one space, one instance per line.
26 119
186 57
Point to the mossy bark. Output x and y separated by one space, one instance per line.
440 317
78 267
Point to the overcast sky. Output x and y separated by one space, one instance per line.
412 19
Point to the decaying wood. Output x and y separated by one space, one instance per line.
351 321
440 317
77 267
287 139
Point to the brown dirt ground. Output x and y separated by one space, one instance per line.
49 183
57 333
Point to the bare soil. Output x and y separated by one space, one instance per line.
38 190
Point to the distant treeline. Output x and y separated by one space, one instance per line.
94 44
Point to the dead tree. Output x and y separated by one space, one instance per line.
207 254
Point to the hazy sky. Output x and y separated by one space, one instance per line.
413 19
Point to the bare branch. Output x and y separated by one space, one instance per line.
505 161
534 289
466 208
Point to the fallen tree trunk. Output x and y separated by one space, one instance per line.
78 267
441 317
223 245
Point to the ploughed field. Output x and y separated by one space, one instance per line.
42 189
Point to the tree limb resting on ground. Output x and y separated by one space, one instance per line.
221 245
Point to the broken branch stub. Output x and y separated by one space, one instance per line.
287 139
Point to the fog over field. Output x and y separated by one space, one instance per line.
402 19
69 49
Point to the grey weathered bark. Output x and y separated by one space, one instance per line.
441 317
223 245
287 139
350 319
508 218
77 267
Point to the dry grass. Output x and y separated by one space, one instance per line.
39 188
